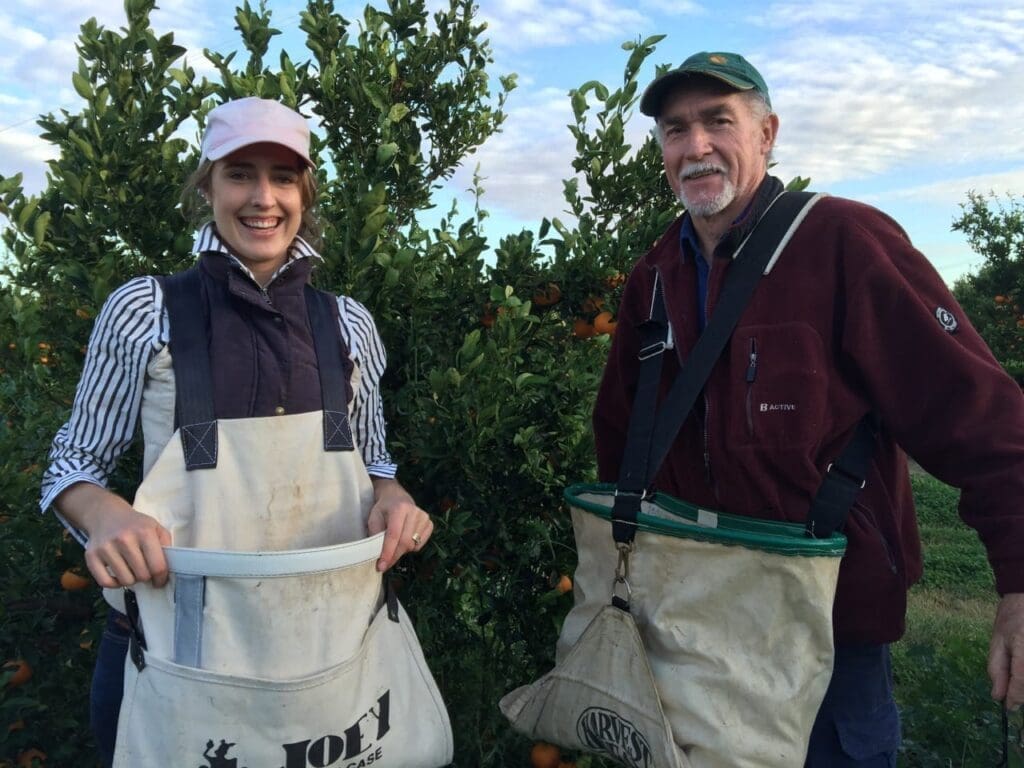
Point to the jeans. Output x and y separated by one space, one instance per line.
858 725
108 686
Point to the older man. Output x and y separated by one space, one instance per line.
851 320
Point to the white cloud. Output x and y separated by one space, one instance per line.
953 191
674 7
24 152
522 24
523 166
855 103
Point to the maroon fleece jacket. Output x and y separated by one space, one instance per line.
850 319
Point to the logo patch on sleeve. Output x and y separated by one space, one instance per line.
946 319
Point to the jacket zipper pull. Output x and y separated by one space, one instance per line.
752 367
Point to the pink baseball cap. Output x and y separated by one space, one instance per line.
239 123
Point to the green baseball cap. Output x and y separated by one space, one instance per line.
731 68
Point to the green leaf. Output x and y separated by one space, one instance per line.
376 95
82 85
529 379
39 230
579 103
386 152
26 212
397 113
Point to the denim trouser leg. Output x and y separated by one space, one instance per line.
108 686
858 725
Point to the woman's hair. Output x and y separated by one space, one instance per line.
195 207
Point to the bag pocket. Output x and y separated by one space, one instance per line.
381 707
601 698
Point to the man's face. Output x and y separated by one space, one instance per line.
715 147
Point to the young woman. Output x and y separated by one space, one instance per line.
254 257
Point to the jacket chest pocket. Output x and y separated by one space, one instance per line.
777 386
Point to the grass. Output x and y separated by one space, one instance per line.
949 719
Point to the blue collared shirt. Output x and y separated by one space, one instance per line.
688 235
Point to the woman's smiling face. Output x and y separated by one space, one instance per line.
256 198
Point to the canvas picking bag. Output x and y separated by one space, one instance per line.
735 615
720 656
245 660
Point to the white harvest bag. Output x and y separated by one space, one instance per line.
265 650
735 616
378 706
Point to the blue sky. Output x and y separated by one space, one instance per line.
904 105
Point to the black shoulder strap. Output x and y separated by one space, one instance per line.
193 380
843 480
640 463
327 344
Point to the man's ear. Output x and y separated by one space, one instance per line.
770 131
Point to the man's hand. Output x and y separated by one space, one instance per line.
125 546
407 526
1006 652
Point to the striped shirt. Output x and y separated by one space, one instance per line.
133 327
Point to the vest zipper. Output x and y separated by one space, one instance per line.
707 443
751 375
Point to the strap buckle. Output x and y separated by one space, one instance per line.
651 350
622 577
640 496
858 481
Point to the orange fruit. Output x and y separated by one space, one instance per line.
581 329
22 672
26 759
614 281
547 295
593 304
604 323
545 755
73 581
564 584
1000 299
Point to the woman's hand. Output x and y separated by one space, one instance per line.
125 546
407 526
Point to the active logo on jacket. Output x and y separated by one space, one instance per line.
605 731
358 746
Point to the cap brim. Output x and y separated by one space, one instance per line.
240 142
650 102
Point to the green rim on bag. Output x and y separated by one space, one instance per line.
670 516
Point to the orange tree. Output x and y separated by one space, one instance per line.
993 296
488 392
